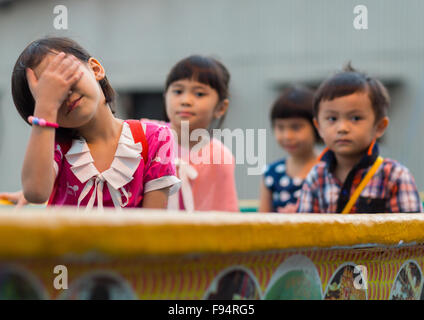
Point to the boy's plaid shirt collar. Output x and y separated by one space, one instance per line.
366 161
355 175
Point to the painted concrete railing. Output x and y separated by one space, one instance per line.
145 254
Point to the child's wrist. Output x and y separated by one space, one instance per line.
48 115
42 122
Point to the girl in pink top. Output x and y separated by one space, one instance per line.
196 95
93 158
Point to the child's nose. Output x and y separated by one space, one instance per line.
288 135
343 126
186 99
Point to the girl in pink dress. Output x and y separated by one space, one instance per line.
196 96
91 158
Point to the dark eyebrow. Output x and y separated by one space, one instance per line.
355 112
200 87
331 111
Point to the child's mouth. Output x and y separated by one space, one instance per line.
343 141
290 147
73 104
184 114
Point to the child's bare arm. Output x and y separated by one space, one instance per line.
265 199
38 172
156 199
49 91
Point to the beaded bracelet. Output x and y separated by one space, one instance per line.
41 122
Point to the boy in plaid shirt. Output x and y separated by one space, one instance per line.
350 110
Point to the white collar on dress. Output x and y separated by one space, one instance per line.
126 161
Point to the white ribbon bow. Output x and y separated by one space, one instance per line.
186 172
98 182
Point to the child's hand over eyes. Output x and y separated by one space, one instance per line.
52 87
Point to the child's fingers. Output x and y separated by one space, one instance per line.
5 195
56 61
13 198
8 198
21 202
75 78
65 64
71 70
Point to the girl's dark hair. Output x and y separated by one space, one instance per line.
206 70
294 102
31 57
350 81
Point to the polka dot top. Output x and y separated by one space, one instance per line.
285 189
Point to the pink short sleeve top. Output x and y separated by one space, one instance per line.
79 183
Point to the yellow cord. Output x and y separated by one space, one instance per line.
362 185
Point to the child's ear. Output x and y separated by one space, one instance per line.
316 124
381 127
221 109
99 71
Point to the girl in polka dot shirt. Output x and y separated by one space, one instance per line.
291 119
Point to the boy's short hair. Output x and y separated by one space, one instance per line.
351 81
294 102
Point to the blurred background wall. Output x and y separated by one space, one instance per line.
266 45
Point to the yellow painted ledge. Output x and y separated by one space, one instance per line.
55 232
